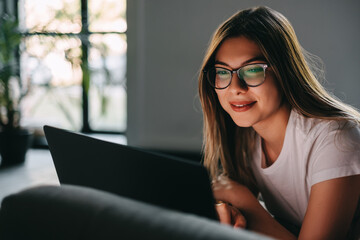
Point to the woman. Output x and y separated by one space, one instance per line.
271 128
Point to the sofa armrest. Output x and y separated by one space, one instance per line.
74 212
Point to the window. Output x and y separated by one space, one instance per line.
74 60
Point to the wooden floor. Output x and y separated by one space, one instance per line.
38 169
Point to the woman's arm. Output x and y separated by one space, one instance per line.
331 208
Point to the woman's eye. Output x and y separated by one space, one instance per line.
222 75
221 72
254 70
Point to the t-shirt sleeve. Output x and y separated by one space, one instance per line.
336 154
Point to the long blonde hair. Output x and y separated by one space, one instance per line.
227 147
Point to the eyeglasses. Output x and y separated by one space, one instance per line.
253 75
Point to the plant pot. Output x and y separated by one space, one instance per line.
13 146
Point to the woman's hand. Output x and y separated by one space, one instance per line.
234 193
228 214
231 197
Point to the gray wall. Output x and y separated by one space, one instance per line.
166 43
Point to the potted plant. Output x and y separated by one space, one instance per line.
14 140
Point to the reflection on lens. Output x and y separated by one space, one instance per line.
253 74
222 77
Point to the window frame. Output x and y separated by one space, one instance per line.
83 35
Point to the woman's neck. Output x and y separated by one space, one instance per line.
272 131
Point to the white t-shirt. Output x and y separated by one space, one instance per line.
314 150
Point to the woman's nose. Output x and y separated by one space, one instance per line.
238 85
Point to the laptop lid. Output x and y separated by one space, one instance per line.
158 179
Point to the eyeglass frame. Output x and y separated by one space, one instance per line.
237 71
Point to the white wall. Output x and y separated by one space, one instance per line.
166 43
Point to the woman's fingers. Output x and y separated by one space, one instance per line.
223 212
238 220
230 215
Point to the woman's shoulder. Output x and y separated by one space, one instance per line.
310 125
329 148
346 132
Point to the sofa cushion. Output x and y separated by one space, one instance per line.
74 212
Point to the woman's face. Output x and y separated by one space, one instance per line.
247 106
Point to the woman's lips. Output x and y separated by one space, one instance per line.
242 106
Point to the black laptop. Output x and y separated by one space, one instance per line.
154 178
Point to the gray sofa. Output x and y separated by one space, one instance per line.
73 212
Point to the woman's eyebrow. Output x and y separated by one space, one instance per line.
257 58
